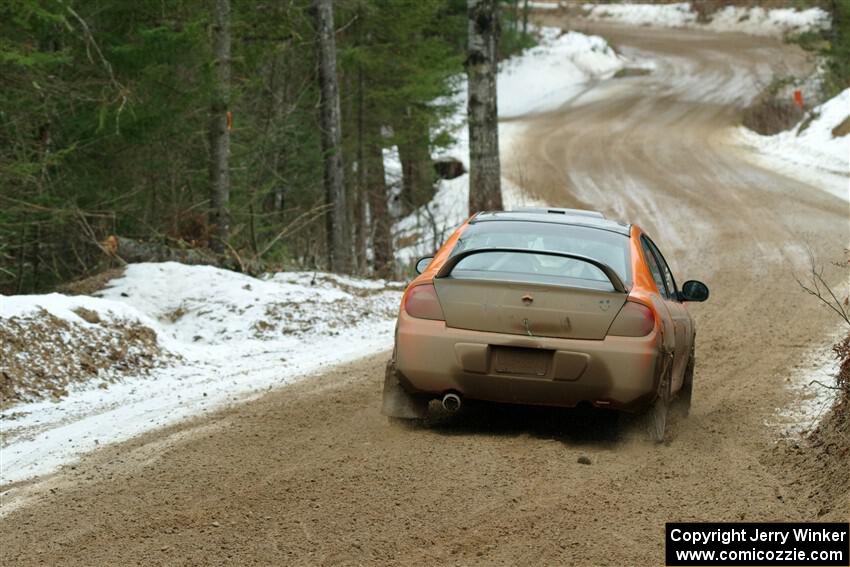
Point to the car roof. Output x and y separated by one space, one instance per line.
577 217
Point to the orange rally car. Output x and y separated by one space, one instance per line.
555 307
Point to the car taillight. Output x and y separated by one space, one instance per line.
633 320
422 303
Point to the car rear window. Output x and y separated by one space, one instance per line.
604 246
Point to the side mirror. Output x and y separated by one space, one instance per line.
692 290
422 263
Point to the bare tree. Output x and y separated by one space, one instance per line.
220 120
816 285
337 226
485 192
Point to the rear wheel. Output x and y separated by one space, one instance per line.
684 398
655 418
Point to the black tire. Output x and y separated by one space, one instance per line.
686 393
655 418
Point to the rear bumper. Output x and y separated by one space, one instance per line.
616 372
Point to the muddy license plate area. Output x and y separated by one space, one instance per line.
521 361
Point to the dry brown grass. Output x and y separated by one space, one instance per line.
92 284
842 129
631 72
769 115
43 356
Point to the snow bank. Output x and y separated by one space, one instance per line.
68 308
775 22
740 19
809 152
51 343
544 5
661 15
202 306
810 383
231 336
545 77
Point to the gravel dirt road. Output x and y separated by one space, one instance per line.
313 475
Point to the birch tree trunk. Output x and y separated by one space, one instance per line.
485 192
219 165
339 250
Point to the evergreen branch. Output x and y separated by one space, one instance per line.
90 41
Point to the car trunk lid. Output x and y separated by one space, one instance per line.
527 308
554 304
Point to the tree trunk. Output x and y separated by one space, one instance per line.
526 8
485 193
381 223
417 170
279 95
361 190
353 163
220 129
338 233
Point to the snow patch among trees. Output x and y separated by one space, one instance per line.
540 79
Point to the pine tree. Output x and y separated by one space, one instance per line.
397 59
112 114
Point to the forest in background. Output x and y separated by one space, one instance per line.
111 114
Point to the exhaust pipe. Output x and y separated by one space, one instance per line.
451 402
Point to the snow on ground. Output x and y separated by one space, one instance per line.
546 76
810 382
808 152
202 307
236 337
742 19
660 15
544 5
774 22
428 227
